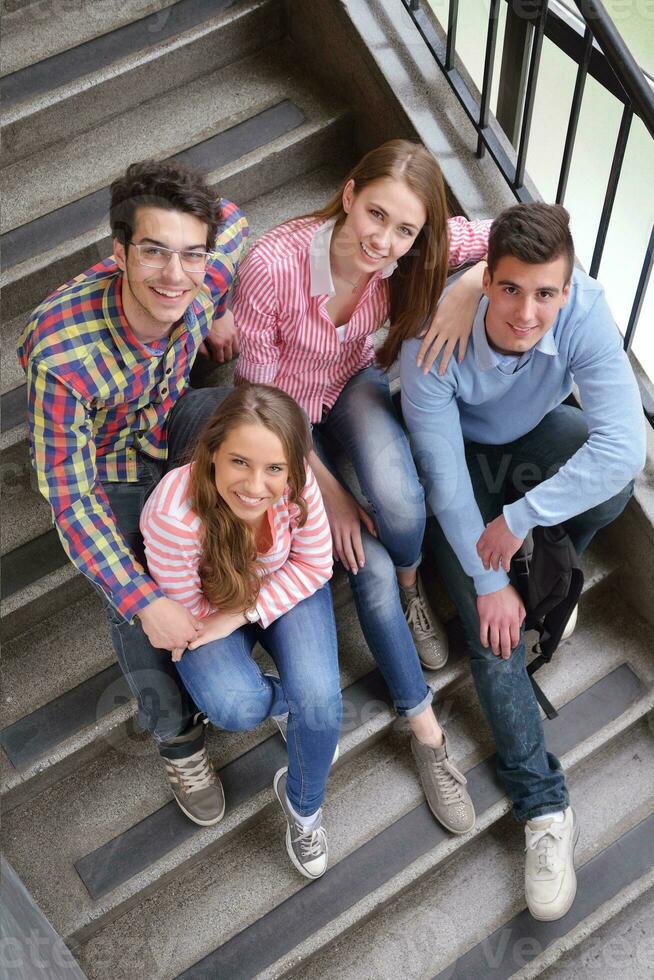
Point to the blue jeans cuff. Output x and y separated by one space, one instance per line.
419 708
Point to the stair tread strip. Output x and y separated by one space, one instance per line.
42 730
13 408
81 216
90 56
118 860
523 939
278 932
31 561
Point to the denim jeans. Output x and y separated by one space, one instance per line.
532 777
164 707
228 686
364 428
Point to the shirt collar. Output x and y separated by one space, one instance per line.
485 356
319 265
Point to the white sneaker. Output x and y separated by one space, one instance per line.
570 625
550 879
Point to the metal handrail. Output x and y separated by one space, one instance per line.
598 49
621 60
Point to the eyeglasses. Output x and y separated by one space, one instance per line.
158 257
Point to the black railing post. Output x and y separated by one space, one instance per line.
452 23
489 62
575 110
530 95
611 189
641 290
513 72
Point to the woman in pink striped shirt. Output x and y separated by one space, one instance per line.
240 537
310 296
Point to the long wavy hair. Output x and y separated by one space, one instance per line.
230 573
417 283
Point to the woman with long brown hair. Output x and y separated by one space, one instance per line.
310 296
240 536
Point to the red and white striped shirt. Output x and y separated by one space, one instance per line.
286 335
297 564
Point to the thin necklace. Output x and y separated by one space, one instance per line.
354 285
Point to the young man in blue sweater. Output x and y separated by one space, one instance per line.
495 427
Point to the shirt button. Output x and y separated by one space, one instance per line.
169 370
164 391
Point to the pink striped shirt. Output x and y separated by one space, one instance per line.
286 336
298 562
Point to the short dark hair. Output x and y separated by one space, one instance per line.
162 184
534 233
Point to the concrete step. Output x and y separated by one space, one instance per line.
623 941
250 907
31 33
430 927
161 127
65 96
24 514
53 719
125 786
257 150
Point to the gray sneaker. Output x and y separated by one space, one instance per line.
307 849
193 780
282 723
426 629
443 786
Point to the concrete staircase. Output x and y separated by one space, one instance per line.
89 825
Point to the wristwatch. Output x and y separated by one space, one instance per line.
252 615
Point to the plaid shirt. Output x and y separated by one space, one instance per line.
96 395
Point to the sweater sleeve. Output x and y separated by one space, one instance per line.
173 554
614 452
309 564
432 417
468 240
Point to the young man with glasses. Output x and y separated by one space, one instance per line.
108 357
496 426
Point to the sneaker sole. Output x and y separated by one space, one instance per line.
289 847
201 823
559 915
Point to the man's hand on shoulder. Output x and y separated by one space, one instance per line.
497 545
168 625
501 615
221 343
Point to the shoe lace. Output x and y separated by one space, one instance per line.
418 618
544 843
449 781
312 842
194 773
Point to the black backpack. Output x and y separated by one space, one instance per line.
550 581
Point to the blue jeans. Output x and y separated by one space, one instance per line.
363 428
164 707
227 685
532 777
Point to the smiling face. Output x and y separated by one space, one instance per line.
155 299
524 301
251 471
382 222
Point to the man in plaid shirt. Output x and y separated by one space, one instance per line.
107 358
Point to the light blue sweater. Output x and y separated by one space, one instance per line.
477 401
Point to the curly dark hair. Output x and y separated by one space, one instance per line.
163 184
